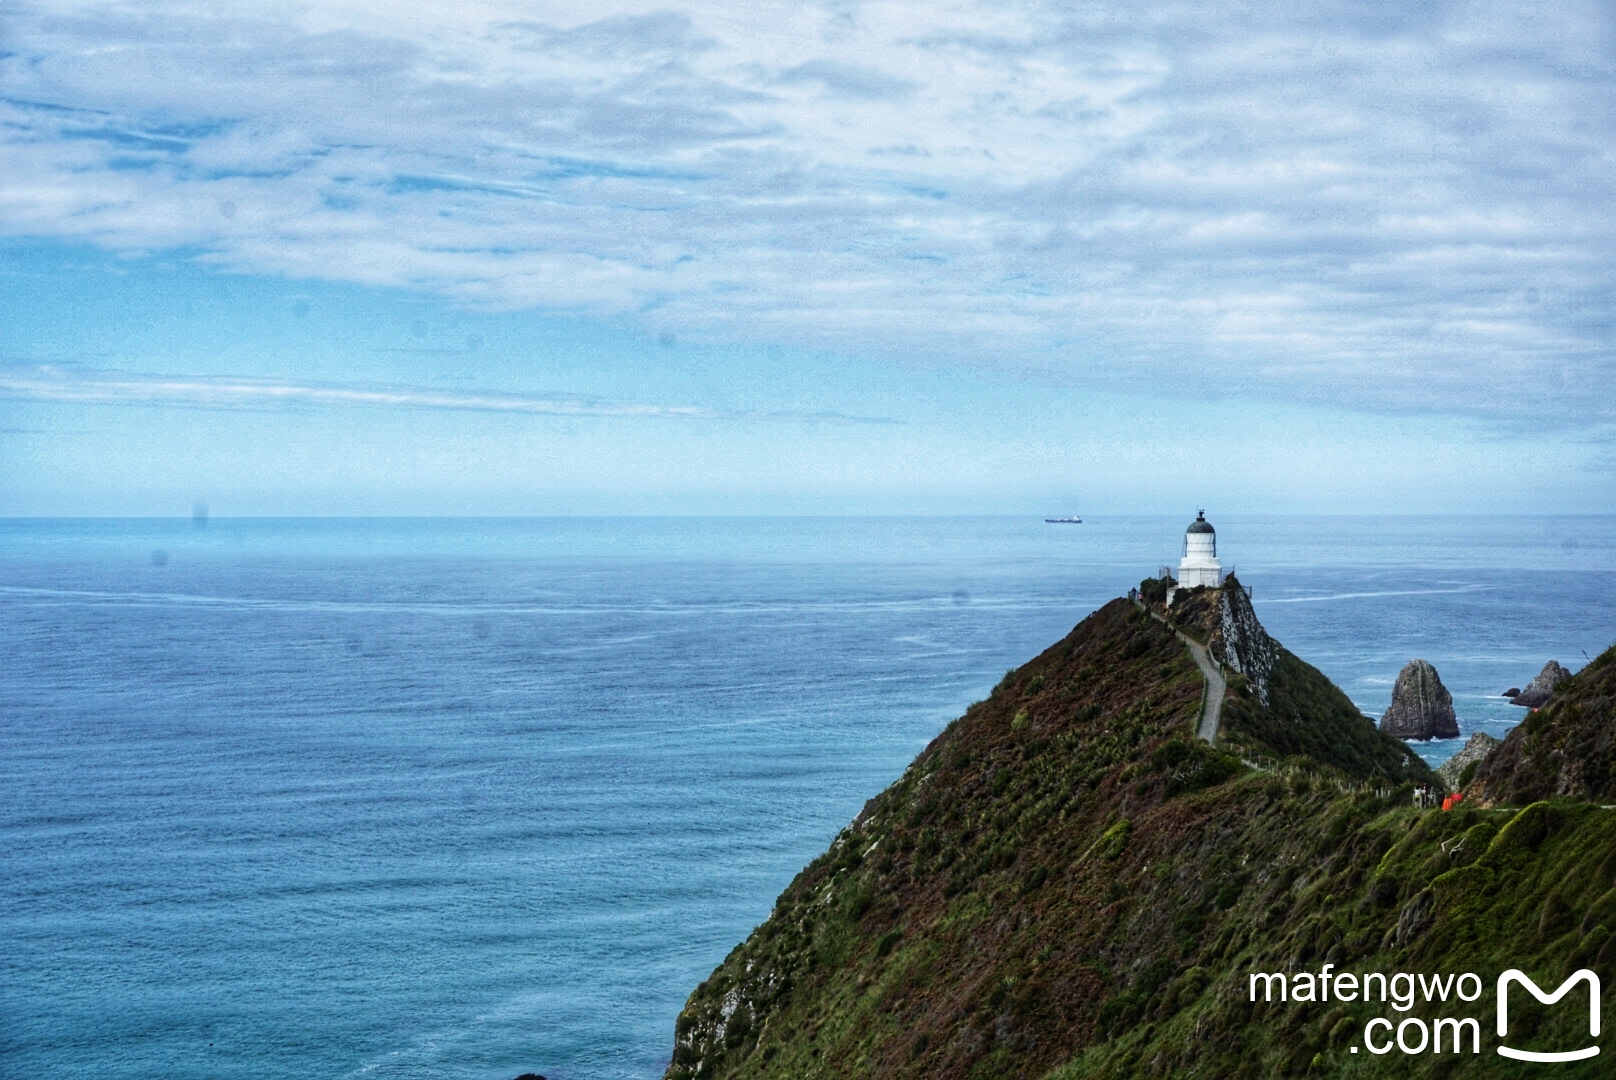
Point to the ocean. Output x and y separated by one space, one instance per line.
470 798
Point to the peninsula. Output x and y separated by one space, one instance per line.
1069 882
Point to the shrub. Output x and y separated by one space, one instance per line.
1154 590
1114 840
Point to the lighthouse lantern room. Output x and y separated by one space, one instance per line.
1200 565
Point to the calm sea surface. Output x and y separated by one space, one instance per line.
450 798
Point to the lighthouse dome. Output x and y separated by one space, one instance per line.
1200 524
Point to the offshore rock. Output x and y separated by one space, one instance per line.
1540 689
1480 745
1421 706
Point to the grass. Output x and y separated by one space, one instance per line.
1067 884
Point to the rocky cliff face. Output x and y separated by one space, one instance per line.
1566 749
1421 706
1540 689
1474 750
1240 642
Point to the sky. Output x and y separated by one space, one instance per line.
358 257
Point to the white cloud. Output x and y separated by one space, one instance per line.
74 385
1406 211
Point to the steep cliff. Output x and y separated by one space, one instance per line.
1281 707
1566 749
1066 883
1239 641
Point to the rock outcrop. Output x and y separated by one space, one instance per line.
1566 749
1239 640
1421 706
1540 689
1277 705
1222 619
1452 770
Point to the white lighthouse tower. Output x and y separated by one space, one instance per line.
1200 565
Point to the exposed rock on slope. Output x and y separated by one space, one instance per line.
1223 620
1540 689
1421 706
1477 747
1279 706
1565 749
1066 879
1239 640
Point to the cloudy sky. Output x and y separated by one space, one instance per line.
491 257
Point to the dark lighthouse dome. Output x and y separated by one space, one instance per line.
1200 525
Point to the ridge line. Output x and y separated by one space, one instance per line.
1213 685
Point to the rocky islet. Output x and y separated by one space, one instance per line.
1540 689
1421 706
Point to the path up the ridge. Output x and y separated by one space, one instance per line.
1216 685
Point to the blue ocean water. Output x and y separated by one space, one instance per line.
451 798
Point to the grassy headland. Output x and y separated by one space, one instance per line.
1067 883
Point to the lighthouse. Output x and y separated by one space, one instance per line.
1200 565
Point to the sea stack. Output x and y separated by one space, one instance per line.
1539 690
1421 707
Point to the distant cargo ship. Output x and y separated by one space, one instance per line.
1064 521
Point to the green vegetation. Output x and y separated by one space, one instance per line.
1154 590
1067 884
1308 717
1566 748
